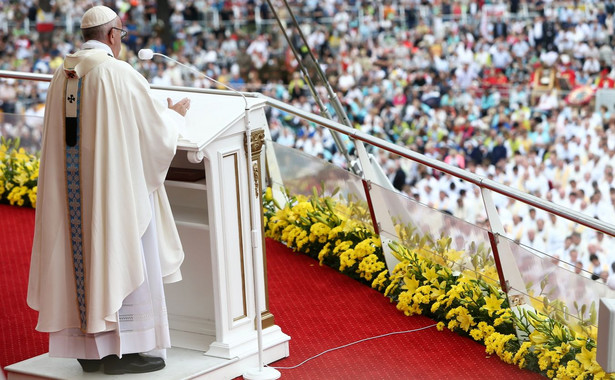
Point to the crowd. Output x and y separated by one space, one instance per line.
479 85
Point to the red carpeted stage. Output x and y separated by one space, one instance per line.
318 307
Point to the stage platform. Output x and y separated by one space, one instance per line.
181 364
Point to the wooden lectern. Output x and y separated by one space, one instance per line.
212 308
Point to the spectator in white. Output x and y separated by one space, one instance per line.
465 75
574 202
581 50
591 65
229 48
428 195
501 57
161 78
341 18
521 47
286 137
177 18
579 245
531 219
595 266
463 211
530 239
346 81
444 203
548 101
567 254
556 232
259 51
606 53
516 229
22 46
174 73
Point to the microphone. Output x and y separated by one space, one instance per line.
148 54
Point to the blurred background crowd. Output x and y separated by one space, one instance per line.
520 92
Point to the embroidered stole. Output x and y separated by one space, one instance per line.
72 96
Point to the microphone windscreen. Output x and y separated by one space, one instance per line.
146 54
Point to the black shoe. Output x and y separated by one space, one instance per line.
131 363
90 365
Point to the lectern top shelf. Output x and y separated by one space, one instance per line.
209 115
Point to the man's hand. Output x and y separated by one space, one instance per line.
180 107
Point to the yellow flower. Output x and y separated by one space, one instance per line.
435 306
440 326
465 320
32 194
410 284
378 283
323 253
543 362
492 303
538 338
476 334
369 265
573 369
21 178
268 194
587 359
521 352
430 274
437 290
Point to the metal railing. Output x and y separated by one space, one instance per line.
480 181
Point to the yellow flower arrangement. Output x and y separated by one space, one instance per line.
18 174
435 280
334 233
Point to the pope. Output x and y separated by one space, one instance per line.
105 240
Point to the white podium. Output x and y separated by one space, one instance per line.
212 313
213 216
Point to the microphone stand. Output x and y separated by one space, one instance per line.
261 372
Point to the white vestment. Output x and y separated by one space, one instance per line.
127 141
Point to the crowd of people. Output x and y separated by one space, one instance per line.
483 86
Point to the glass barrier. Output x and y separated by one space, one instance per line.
469 250
27 127
550 282
556 286
301 174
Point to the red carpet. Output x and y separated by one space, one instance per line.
318 307
322 309
18 339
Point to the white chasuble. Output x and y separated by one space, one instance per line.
126 141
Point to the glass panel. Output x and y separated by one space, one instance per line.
469 250
302 173
28 128
555 285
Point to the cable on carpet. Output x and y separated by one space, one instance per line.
355 342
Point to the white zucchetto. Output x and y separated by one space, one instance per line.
97 16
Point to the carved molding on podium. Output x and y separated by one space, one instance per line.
257 141
195 157
257 138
